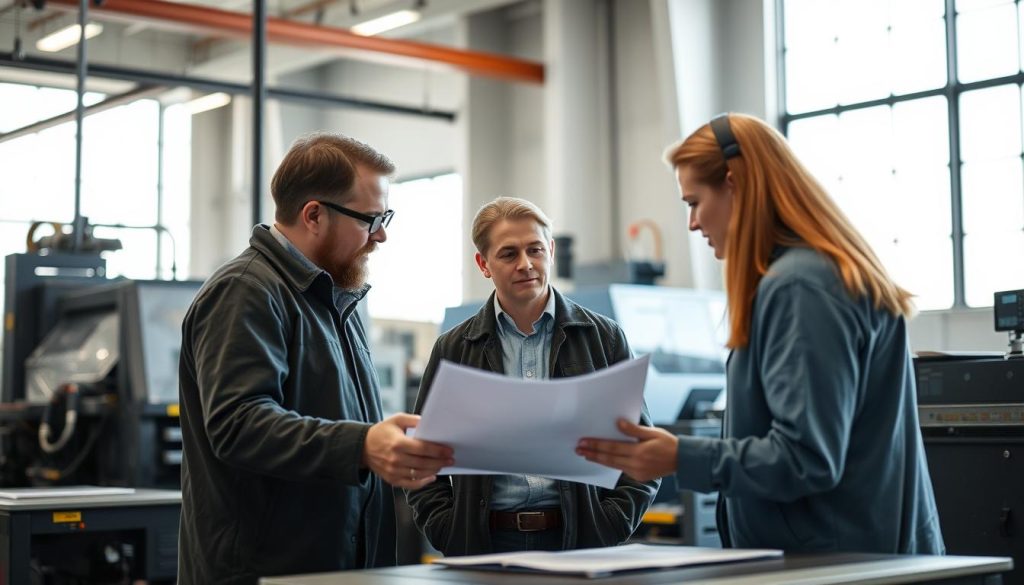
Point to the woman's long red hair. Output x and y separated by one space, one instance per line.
776 201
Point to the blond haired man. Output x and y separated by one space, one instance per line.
526 329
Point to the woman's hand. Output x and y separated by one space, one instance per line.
652 456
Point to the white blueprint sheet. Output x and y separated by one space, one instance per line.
502 425
598 562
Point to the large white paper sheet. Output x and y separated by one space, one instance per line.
501 425
599 562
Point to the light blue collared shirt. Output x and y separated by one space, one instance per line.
529 357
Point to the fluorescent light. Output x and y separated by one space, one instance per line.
207 102
386 22
66 37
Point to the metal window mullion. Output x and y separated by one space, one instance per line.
953 91
886 101
259 98
82 69
780 66
313 98
160 188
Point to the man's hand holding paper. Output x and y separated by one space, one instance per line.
501 425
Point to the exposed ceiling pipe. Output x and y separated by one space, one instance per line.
236 24
202 84
314 6
107 104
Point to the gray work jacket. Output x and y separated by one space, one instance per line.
822 450
277 393
453 512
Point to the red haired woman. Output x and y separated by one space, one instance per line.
821 448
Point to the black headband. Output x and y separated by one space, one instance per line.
723 134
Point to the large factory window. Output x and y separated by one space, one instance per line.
418 271
121 154
911 118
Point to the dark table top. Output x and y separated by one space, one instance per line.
833 569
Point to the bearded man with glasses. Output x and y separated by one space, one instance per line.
285 454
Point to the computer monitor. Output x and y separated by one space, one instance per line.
161 307
698 402
684 332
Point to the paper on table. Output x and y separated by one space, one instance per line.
502 425
62 492
595 562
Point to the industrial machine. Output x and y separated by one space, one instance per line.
90 387
89 396
693 514
972 419
96 535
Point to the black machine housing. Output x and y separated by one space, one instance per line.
972 420
129 420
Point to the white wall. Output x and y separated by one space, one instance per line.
417 145
525 109
296 119
645 123
220 200
578 126
501 129
961 330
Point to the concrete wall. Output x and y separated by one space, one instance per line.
646 121
501 133
418 146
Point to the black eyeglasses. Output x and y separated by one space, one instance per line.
375 222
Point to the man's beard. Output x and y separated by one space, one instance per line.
354 274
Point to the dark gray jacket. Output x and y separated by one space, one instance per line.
453 511
822 449
277 393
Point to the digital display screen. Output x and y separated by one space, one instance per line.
1009 310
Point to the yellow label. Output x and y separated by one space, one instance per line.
9 321
65 517
659 518
173 410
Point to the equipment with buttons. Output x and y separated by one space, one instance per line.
972 419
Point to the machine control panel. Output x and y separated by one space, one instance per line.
1003 415
1008 307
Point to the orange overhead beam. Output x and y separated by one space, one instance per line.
236 24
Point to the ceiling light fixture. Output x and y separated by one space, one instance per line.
208 102
386 23
66 37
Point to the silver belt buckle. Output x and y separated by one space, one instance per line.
519 521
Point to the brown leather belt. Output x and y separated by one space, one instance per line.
526 521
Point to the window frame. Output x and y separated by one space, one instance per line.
159 228
951 91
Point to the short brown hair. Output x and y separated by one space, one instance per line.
321 164
511 208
